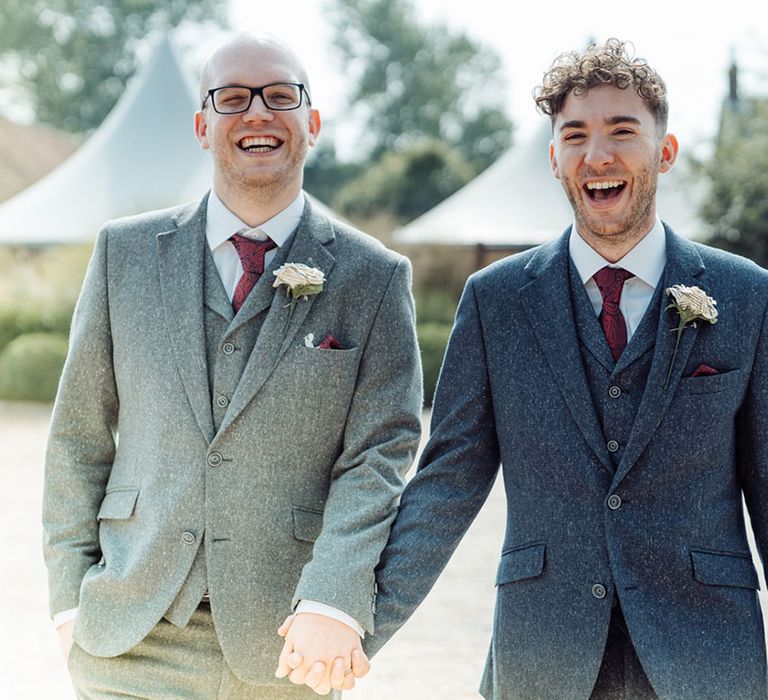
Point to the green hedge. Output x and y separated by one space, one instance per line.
433 337
30 366
22 319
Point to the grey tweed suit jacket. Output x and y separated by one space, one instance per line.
295 492
673 550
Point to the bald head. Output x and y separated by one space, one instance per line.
252 53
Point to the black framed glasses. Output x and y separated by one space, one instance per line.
279 97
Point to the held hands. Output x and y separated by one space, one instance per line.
321 652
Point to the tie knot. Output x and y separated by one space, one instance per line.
252 252
610 281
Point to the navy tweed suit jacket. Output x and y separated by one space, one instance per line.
513 395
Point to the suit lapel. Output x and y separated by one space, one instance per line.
683 265
588 328
547 303
215 295
281 324
644 337
181 261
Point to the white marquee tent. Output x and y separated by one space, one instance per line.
517 203
143 156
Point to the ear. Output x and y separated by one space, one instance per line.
553 160
314 126
669 148
201 129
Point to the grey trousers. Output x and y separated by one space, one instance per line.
172 664
621 675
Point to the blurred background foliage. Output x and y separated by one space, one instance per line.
38 290
70 60
736 209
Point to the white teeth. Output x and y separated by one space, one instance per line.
253 141
604 185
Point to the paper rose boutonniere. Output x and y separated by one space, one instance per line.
692 304
300 282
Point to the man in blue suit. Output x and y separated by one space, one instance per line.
627 424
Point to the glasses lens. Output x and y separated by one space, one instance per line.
282 96
231 99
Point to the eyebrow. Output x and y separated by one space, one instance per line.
618 119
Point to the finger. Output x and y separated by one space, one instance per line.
283 665
295 659
299 673
283 629
313 676
349 681
337 674
360 663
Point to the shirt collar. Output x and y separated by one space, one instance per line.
645 261
221 223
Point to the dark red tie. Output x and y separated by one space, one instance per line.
610 281
251 254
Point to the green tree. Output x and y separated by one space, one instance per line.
324 173
415 81
406 184
736 209
70 59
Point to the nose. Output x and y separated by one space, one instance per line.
258 111
598 152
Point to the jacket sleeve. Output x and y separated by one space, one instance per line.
752 443
454 477
380 440
81 442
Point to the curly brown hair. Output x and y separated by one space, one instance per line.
610 64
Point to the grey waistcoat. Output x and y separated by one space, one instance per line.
229 341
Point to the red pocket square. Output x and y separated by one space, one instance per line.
704 371
329 343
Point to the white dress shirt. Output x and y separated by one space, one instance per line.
220 225
645 261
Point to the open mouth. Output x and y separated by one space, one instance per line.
604 191
259 144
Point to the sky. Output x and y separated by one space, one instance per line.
689 44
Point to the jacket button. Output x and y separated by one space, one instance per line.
598 590
228 348
614 501
188 538
222 401
215 459
612 446
614 392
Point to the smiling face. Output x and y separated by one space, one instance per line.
607 153
258 155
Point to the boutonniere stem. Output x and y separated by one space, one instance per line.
692 304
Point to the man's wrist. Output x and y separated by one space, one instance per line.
63 617
311 606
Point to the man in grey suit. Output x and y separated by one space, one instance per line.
629 414
227 443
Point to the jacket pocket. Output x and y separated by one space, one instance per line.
712 384
307 524
520 563
118 504
715 568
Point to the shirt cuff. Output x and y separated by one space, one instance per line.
61 618
311 606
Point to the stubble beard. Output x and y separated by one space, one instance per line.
264 186
632 227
